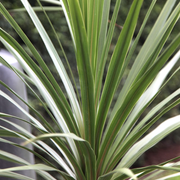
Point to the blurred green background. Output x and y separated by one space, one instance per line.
170 146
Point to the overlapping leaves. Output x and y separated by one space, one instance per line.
92 145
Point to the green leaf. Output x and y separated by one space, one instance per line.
39 9
94 15
35 54
114 71
117 173
29 167
29 106
144 54
48 97
93 145
137 91
24 134
8 171
84 70
149 140
86 150
141 104
57 62
15 176
104 45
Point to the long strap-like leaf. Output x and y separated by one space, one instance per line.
57 62
114 71
84 70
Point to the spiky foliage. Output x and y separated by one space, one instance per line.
94 145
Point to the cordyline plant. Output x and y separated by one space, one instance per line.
96 140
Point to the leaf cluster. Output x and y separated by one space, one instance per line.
97 140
